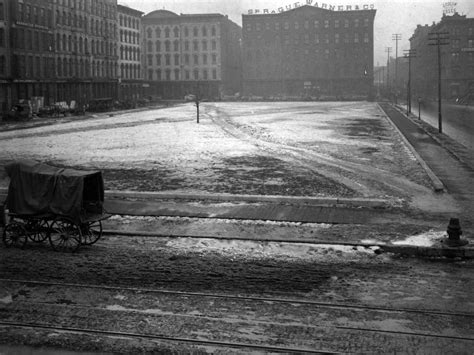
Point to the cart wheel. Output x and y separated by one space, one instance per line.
91 232
65 235
38 230
14 235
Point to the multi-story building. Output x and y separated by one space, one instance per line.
86 49
308 51
31 53
198 54
130 59
457 59
5 67
60 50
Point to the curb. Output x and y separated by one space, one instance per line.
438 186
362 202
437 251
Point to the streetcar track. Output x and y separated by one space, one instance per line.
213 318
166 338
244 298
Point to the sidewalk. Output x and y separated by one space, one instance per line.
443 156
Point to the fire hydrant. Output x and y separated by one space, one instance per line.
454 234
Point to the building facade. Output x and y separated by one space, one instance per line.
308 51
5 58
59 51
191 54
457 59
130 53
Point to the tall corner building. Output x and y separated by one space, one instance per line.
456 54
308 51
130 53
191 54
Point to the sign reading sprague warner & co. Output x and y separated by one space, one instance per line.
315 4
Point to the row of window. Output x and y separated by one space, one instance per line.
129 37
43 41
204 31
167 46
310 39
175 74
83 46
42 67
286 25
456 56
32 40
456 43
328 69
129 53
130 71
34 14
96 26
97 7
262 55
128 21
186 59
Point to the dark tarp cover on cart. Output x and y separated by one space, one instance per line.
36 188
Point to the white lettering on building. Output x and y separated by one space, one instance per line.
449 7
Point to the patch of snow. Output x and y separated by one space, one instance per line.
427 239
7 299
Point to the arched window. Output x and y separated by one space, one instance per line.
158 32
148 32
176 46
186 32
204 31
167 32
167 46
149 46
213 30
60 67
176 32
158 46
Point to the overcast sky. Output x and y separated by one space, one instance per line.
393 16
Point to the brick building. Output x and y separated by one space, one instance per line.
457 58
197 53
130 50
60 50
308 51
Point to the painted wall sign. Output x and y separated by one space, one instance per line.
312 3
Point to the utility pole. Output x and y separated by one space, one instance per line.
410 53
198 93
396 37
388 50
439 39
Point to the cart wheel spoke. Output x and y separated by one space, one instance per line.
14 235
91 232
38 230
65 235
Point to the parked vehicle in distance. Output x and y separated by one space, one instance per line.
20 111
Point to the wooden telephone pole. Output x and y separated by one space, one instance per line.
439 39
410 53
396 37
